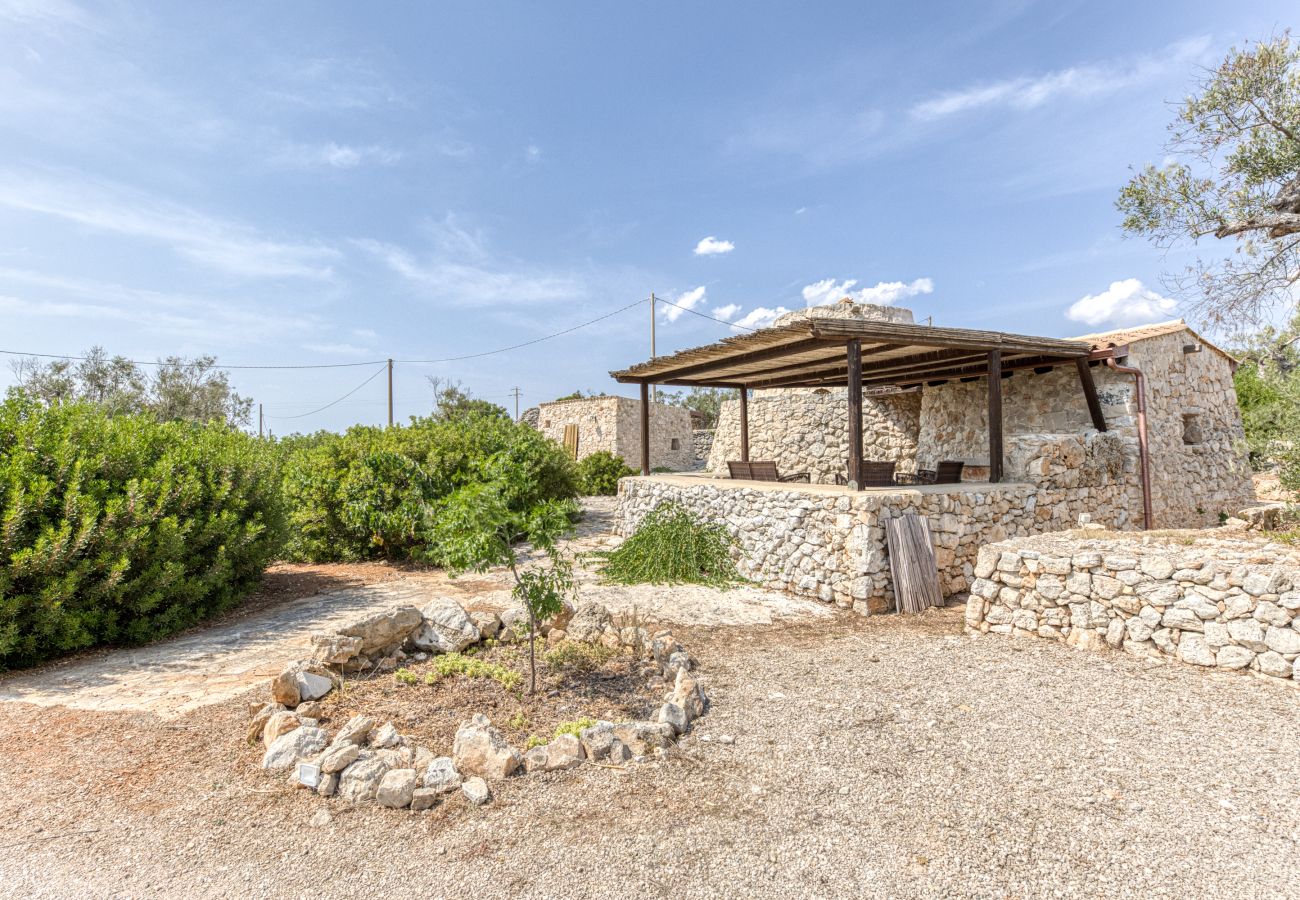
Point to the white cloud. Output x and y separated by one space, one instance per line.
1124 303
726 313
338 156
711 246
759 317
883 293
231 247
533 153
684 301
1078 82
460 272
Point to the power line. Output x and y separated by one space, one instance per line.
377 373
525 343
703 315
138 362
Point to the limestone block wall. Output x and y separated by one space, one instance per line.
828 543
614 424
1199 461
807 431
1219 601
702 444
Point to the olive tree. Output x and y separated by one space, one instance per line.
1233 175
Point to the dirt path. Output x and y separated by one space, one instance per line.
216 662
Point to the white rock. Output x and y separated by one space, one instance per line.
385 629
292 746
476 791
1248 633
360 781
441 775
312 686
1282 640
354 731
1193 649
479 749
1271 614
446 628
338 758
1272 663
385 737
396 788
1233 657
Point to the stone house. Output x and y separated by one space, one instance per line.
613 424
1197 455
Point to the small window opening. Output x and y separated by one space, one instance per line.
1192 432
675 444
546 424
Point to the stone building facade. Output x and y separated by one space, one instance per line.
1198 456
805 431
614 424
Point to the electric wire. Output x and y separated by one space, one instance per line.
378 372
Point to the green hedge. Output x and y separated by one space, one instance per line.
375 493
599 472
123 529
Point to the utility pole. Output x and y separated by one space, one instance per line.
259 420
654 393
515 392
390 393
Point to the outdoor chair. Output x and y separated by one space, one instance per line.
874 474
740 470
948 471
766 470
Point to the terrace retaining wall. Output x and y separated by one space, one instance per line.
1222 601
828 543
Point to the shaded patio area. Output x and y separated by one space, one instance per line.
866 358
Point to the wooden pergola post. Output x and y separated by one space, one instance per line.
645 428
855 413
744 424
1090 394
995 416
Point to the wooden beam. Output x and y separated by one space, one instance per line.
1090 394
745 359
645 428
744 424
1015 364
855 413
995 416
808 367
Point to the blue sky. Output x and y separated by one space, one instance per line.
303 183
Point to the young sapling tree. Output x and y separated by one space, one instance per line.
476 531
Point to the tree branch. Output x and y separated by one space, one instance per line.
1278 225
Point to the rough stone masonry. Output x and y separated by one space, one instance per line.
1218 600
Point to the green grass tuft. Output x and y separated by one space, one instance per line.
673 547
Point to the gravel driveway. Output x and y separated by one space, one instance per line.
882 757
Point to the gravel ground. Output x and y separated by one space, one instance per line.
879 757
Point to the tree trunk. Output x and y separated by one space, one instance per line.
532 654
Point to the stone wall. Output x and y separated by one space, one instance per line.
828 543
701 444
1223 601
806 430
1198 472
614 424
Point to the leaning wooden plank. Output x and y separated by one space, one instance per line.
912 563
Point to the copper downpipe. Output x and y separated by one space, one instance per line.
1143 454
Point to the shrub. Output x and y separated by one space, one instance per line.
575 727
450 664
122 529
598 474
672 547
578 656
375 493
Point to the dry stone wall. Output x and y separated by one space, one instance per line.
613 424
829 543
1222 601
807 431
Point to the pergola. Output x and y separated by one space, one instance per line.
861 354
